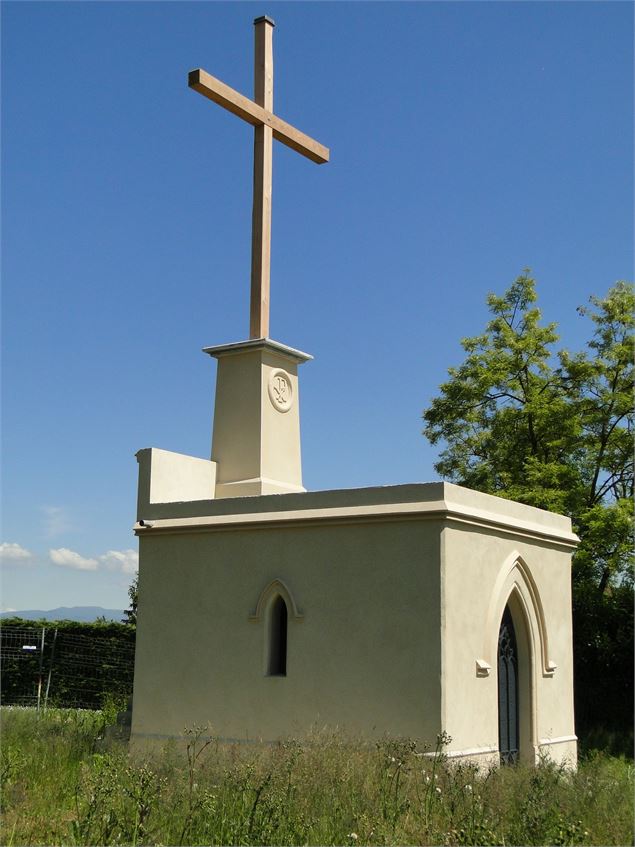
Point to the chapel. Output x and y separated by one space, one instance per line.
399 611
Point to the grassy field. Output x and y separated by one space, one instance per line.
62 785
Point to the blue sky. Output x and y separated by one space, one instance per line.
468 141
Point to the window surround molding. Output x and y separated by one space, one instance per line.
515 578
275 587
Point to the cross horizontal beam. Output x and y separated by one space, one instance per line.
215 90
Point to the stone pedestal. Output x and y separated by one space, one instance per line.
256 436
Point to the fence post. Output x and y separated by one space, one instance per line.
48 681
39 680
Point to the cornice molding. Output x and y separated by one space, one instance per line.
442 510
253 344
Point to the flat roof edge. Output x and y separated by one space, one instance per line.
315 508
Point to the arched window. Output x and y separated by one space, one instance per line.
277 664
508 727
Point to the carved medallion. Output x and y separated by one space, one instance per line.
280 390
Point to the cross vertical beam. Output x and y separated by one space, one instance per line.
267 127
263 160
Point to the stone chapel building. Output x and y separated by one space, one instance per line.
406 610
401 610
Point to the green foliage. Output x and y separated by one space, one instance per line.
40 760
555 431
88 662
130 615
501 413
115 801
516 425
98 629
57 789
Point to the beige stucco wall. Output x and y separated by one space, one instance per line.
481 569
364 657
236 442
167 477
400 592
255 441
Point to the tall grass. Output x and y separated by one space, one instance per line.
61 785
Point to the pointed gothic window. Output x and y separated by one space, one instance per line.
508 730
277 665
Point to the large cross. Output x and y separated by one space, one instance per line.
267 126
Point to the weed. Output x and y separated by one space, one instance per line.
326 789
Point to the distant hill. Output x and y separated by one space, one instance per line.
66 613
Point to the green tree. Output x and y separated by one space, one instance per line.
502 412
554 430
130 615
599 385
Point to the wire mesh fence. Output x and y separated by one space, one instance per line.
46 666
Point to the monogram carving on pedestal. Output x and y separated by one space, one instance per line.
280 390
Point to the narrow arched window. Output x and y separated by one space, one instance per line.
277 665
508 729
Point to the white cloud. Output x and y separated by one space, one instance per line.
56 520
12 552
126 561
69 559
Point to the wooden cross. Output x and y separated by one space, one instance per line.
267 126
